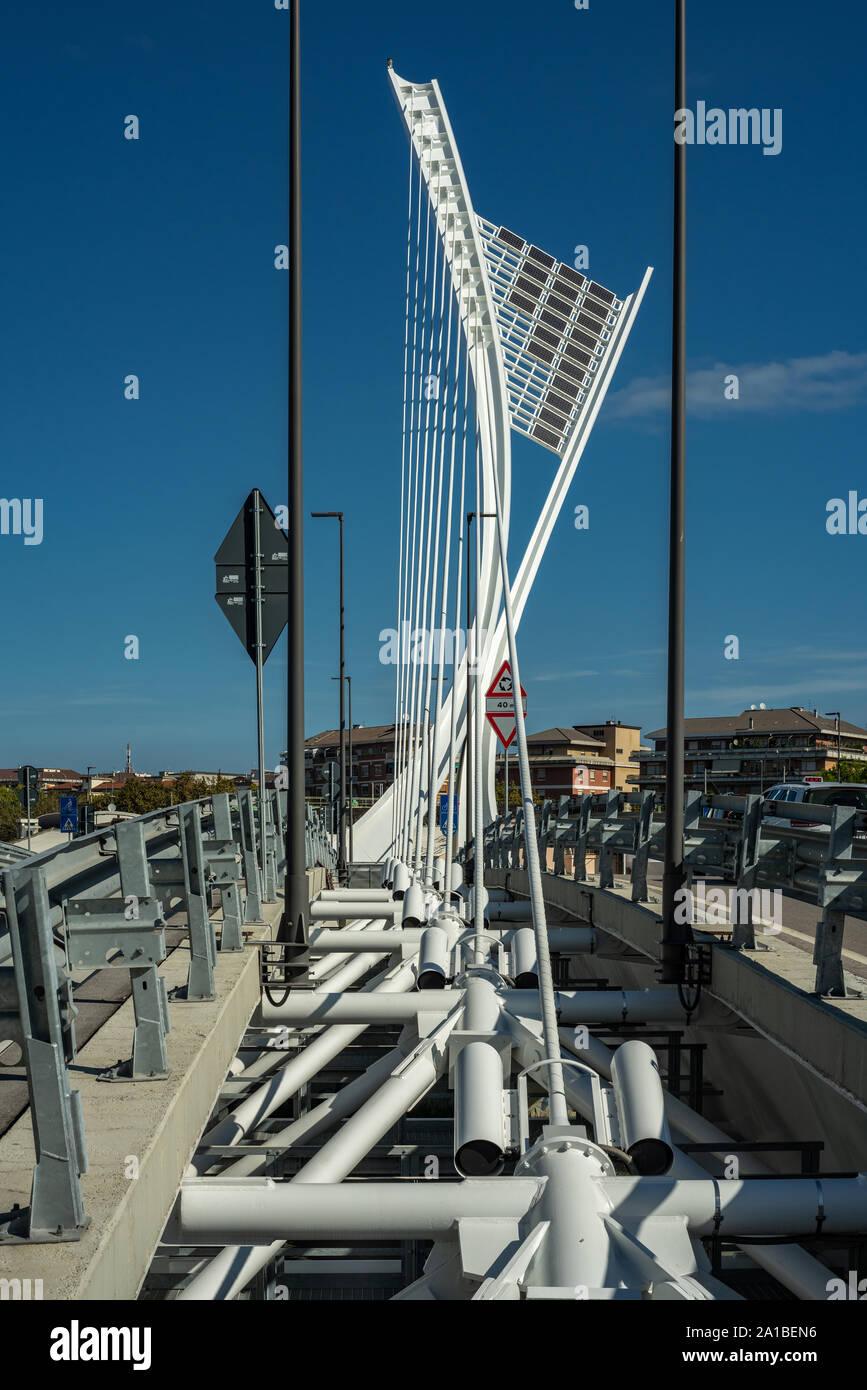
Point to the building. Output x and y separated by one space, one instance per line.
751 751
622 743
563 762
63 779
372 760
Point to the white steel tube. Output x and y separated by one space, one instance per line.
235 1266
214 1211
641 1108
479 1122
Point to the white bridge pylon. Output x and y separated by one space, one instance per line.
541 343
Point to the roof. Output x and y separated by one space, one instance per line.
606 723
572 736
49 774
373 733
794 719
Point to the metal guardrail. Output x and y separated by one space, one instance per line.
12 854
102 902
825 864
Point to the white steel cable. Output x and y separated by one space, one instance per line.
480 947
421 618
418 507
558 1110
431 810
439 436
400 759
403 480
453 729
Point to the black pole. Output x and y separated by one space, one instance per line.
351 773
341 836
293 926
351 779
676 933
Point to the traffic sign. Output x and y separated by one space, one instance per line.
444 813
500 705
236 562
69 814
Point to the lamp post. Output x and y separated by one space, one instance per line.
341 838
348 680
676 935
836 714
293 925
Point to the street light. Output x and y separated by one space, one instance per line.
341 839
836 714
348 680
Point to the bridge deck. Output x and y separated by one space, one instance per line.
148 1128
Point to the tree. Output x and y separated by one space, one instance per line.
10 814
849 772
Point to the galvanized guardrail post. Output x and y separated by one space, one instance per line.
231 938
132 926
250 857
203 941
641 847
744 932
56 1211
267 820
828 951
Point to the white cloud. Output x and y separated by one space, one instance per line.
833 382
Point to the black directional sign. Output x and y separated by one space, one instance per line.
237 571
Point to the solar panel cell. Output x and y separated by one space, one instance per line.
511 239
527 286
599 293
538 350
561 403
547 436
521 301
560 306
542 256
573 276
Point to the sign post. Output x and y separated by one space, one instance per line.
253 592
69 815
444 814
28 776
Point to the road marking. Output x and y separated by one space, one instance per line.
853 955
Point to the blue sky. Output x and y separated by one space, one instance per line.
155 257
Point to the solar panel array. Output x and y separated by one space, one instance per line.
556 326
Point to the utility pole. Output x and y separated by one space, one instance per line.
341 839
676 934
837 716
293 926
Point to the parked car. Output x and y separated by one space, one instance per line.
812 793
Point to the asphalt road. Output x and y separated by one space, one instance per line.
799 921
